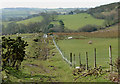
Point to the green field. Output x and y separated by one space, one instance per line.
60 70
76 21
31 20
27 21
72 22
81 46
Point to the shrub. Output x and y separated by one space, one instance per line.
36 40
57 28
88 28
13 52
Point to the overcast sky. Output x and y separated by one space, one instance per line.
54 3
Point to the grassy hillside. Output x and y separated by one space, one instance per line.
27 21
108 12
104 8
76 21
54 69
81 46
32 20
72 22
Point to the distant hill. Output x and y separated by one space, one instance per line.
18 12
8 13
109 12
102 17
104 8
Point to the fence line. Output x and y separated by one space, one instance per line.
95 65
61 52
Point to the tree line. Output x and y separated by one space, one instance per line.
107 12
36 27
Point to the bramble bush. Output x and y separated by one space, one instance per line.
13 52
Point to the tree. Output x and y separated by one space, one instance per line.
71 12
61 25
46 21
77 11
54 15
50 26
12 28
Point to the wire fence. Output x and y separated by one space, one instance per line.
72 57
61 52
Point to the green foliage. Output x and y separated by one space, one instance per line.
77 11
71 12
32 25
88 28
13 51
36 40
103 8
44 23
50 26
108 12
61 25
61 22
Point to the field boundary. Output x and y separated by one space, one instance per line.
61 52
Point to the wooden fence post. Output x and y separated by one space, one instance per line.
86 60
110 57
79 60
71 59
95 58
74 60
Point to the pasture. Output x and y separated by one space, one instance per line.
31 20
72 22
55 69
76 21
82 46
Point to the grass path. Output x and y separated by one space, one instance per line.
54 69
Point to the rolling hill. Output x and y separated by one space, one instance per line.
76 21
72 22
31 20
104 16
108 12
